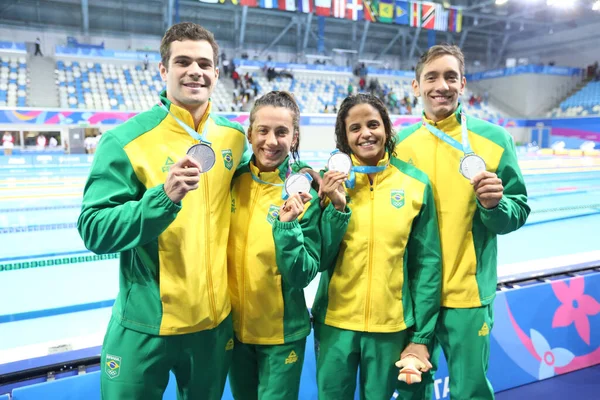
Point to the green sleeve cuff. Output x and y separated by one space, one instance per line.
490 211
164 201
332 213
285 226
419 339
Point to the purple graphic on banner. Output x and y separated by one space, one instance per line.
555 333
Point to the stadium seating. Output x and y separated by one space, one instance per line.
106 86
13 81
584 102
128 87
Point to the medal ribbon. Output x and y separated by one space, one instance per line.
284 194
190 131
465 147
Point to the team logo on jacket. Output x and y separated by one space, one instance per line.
229 345
292 358
397 198
485 330
112 366
272 214
167 165
227 158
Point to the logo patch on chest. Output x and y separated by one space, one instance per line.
397 198
227 158
168 164
272 214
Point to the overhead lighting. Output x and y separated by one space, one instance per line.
476 21
507 27
596 6
562 3
522 27
446 4
551 31
501 2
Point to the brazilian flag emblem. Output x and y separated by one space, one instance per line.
227 158
112 366
273 214
397 198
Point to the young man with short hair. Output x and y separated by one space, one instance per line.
479 193
167 214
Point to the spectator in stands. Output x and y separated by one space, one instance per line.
53 142
225 64
380 287
326 109
490 202
38 47
89 144
8 143
350 88
362 83
146 62
167 214
281 257
235 76
41 141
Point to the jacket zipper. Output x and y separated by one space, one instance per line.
245 256
211 294
370 266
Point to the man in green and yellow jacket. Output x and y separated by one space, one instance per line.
148 201
479 193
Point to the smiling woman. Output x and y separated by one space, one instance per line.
281 241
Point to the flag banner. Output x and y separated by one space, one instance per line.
386 11
370 10
415 14
402 12
286 5
323 8
339 8
305 6
354 10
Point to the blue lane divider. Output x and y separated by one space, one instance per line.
51 312
558 194
528 224
7 210
47 255
35 228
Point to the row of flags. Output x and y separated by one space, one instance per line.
424 14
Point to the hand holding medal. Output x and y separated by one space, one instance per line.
293 206
204 155
333 187
488 189
183 177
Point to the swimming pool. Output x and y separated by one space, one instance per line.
56 297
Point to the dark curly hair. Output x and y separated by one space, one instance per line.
280 98
341 139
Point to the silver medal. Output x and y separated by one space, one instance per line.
471 165
203 154
339 162
297 183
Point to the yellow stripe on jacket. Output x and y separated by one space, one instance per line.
255 282
192 250
455 202
365 290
